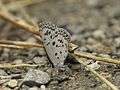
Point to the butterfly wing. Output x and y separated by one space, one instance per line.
55 44
65 34
57 50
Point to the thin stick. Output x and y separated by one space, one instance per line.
97 58
113 87
23 3
18 43
11 46
22 10
19 22
16 46
10 76
15 66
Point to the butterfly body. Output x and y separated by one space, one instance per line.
55 42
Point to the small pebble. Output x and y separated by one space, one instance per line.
40 60
117 78
94 66
36 77
34 88
83 49
105 86
31 40
6 50
104 55
3 81
99 34
76 66
12 83
95 3
117 41
5 88
55 82
91 41
25 87
37 51
18 61
115 11
42 87
5 54
2 72
92 3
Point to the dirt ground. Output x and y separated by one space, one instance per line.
94 26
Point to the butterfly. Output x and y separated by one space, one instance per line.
55 41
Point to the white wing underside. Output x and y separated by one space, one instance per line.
55 43
62 51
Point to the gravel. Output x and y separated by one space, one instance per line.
36 77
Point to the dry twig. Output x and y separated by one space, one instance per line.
20 44
19 22
11 46
10 76
97 58
113 87
12 6
15 66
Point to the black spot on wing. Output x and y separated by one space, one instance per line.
60 52
56 45
48 32
53 43
51 37
55 54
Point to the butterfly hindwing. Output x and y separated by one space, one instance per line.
55 42
57 51
65 34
